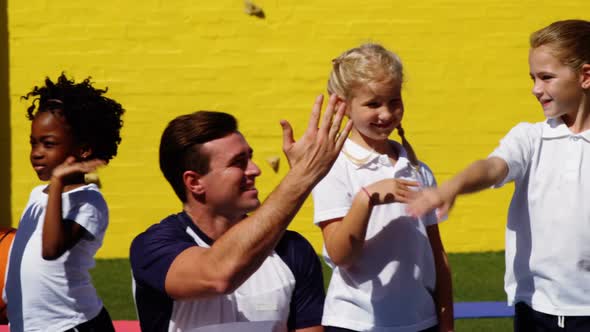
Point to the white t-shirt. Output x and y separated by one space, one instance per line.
55 295
390 287
548 230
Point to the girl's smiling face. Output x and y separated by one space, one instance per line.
51 143
555 85
376 109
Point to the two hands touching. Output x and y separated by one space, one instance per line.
420 200
391 190
428 199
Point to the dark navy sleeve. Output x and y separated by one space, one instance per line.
151 254
307 301
153 251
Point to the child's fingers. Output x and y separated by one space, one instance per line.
405 194
426 201
95 163
443 211
406 189
88 166
412 194
69 168
408 183
70 160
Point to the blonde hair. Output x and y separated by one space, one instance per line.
361 65
569 41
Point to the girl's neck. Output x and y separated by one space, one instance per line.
580 120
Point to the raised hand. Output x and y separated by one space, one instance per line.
392 190
73 171
318 148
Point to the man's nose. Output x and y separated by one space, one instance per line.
253 169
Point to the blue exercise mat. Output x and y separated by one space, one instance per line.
482 310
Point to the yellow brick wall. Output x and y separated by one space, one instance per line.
466 64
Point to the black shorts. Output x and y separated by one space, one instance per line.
526 319
100 323
339 329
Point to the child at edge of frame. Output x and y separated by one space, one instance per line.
547 276
75 129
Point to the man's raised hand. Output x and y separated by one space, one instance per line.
318 148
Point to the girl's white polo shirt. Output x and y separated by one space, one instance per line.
390 287
548 230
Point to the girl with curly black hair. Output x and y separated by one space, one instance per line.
74 130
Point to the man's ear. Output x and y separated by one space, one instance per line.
585 76
192 182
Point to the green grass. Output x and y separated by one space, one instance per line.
476 277
112 279
479 277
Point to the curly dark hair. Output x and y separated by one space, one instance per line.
94 119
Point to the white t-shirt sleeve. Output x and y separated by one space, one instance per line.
332 196
516 149
88 209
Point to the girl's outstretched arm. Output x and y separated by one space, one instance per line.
479 175
344 238
60 235
443 293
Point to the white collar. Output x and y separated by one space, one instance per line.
361 157
555 128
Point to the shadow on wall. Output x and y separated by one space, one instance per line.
5 145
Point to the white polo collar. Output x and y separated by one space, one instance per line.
361 157
555 128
